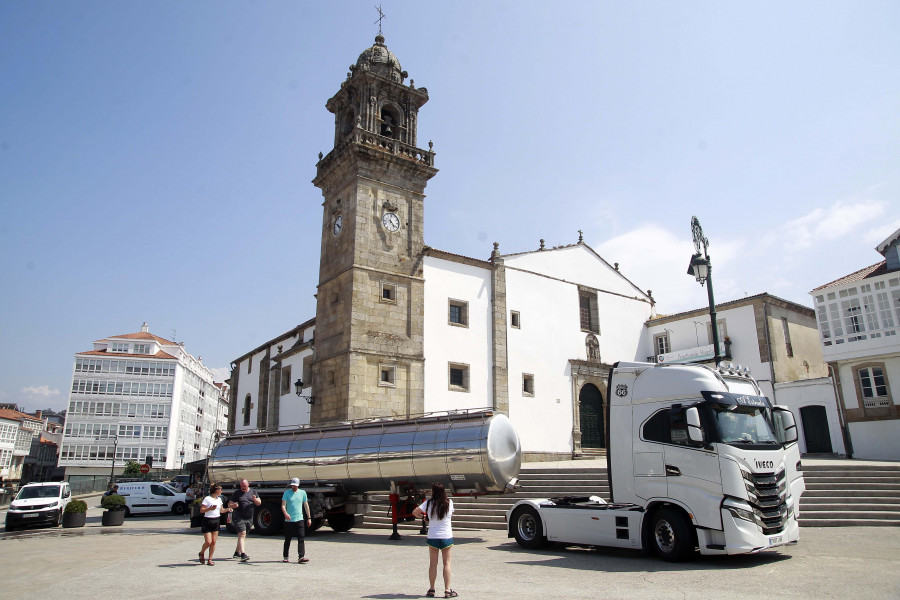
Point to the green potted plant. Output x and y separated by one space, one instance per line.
196 516
75 514
115 509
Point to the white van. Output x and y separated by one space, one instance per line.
38 503
142 497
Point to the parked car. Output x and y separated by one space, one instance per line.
142 497
38 504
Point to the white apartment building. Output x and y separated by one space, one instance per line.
858 321
9 431
135 396
778 341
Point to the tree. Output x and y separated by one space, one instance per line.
132 468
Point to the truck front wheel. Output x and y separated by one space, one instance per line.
528 528
268 519
670 535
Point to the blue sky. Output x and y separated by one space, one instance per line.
156 157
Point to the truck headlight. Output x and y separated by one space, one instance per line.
740 513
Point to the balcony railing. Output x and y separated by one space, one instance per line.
380 142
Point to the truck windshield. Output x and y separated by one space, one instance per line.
742 424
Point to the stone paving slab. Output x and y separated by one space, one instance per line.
156 557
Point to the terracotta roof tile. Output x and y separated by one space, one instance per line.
870 271
8 413
140 335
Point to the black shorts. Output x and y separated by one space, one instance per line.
210 524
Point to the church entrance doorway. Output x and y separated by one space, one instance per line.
815 429
591 411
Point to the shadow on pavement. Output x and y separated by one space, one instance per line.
389 596
351 537
623 560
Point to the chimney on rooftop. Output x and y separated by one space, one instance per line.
145 328
39 415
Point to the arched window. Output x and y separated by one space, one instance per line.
247 406
349 121
390 123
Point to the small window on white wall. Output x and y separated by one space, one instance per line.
514 319
458 313
723 333
527 384
458 375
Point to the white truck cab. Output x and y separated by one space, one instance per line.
697 458
142 497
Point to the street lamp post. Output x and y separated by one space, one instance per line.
701 268
112 470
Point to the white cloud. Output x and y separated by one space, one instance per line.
220 374
828 224
665 269
41 391
878 234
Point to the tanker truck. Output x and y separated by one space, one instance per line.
698 458
471 453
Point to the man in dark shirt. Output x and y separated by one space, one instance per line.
243 502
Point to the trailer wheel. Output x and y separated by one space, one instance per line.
528 528
268 519
316 524
342 522
670 535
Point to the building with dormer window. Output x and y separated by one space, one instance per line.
858 318
136 396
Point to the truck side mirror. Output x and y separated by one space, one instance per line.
786 423
695 432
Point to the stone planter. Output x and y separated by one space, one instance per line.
73 519
196 516
113 517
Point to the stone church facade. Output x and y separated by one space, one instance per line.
403 329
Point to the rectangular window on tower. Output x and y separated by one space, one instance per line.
514 319
388 292
387 375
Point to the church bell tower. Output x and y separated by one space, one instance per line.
369 358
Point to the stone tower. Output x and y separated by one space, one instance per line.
370 302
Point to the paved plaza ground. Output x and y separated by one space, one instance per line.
156 557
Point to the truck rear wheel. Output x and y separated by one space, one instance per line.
528 528
342 522
268 519
670 535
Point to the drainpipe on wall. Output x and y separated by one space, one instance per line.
839 396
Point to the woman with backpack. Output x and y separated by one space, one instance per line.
437 510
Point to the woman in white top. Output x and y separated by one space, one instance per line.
211 507
438 509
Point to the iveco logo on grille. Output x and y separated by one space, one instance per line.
765 464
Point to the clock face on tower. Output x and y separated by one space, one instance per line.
338 224
390 221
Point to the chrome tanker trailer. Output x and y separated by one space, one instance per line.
339 466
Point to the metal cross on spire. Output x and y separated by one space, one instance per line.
381 17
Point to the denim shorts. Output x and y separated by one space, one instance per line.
439 544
